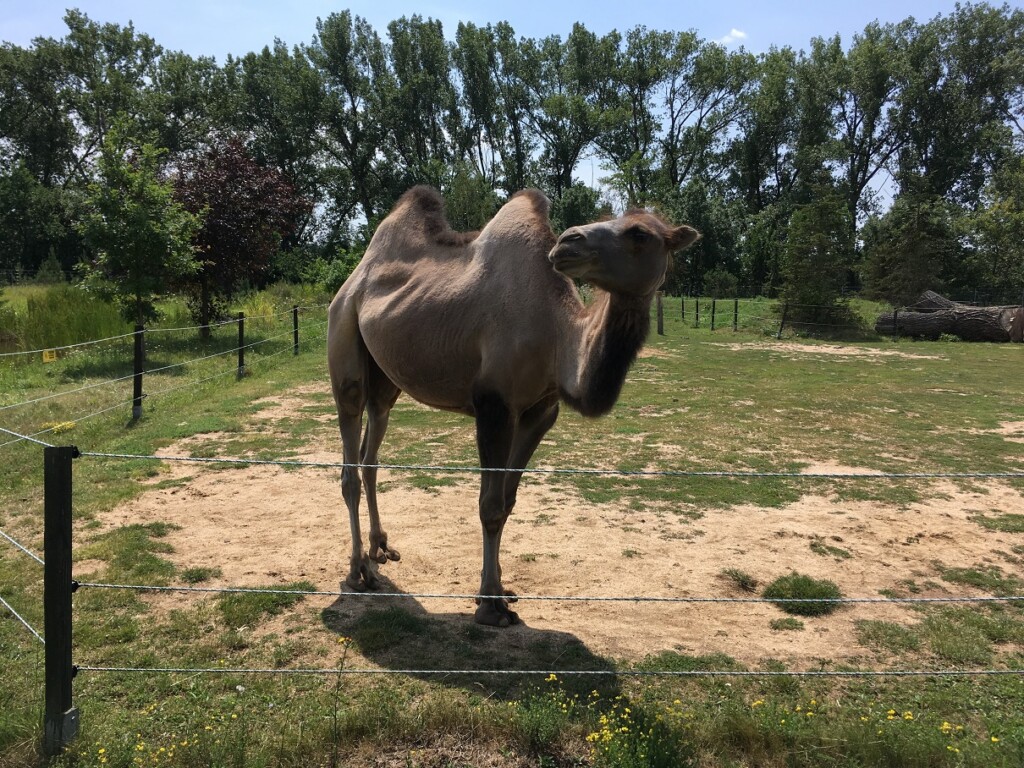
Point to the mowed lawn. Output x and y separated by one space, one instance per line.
695 401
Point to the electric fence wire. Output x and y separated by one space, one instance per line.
66 346
23 548
562 672
23 621
152 371
571 471
557 598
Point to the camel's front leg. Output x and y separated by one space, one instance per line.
360 575
382 399
494 432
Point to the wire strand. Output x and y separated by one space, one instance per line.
565 672
24 622
66 346
23 548
553 598
567 471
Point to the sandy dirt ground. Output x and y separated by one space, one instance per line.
265 525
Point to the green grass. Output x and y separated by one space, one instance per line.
696 403
245 609
797 586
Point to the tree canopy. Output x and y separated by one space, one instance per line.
838 156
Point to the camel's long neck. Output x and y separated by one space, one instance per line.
604 341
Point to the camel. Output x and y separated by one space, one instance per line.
488 324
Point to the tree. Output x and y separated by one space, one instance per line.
629 124
282 101
351 59
421 110
816 258
246 209
141 237
563 83
868 78
914 247
706 88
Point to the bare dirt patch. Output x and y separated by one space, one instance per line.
843 350
267 525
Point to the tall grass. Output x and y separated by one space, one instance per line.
57 315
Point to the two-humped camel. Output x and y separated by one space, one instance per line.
489 325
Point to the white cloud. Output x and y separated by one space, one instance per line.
733 36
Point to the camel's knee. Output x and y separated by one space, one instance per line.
350 485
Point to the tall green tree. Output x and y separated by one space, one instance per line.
139 235
563 79
111 70
629 124
421 109
353 64
282 105
706 86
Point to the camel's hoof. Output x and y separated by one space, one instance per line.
381 553
493 615
354 583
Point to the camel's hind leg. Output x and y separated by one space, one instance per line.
382 396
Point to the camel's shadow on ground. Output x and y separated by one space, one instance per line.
406 635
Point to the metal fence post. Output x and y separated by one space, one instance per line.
241 344
735 315
295 329
60 717
660 301
140 364
696 312
713 302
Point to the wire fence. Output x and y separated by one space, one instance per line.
635 599
310 332
391 596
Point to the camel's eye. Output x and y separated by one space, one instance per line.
638 234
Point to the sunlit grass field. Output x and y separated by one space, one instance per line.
725 400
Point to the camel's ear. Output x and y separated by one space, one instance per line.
682 237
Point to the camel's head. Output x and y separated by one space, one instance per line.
629 254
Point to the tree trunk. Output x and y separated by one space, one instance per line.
969 323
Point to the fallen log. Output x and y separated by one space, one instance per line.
969 323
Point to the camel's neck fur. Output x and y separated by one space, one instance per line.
597 346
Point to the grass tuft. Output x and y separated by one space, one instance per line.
797 586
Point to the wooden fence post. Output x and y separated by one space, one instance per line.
241 344
295 329
60 717
713 301
895 323
660 303
682 304
735 315
696 312
785 309
139 365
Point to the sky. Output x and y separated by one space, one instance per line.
219 27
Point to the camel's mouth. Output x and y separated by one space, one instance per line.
569 263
